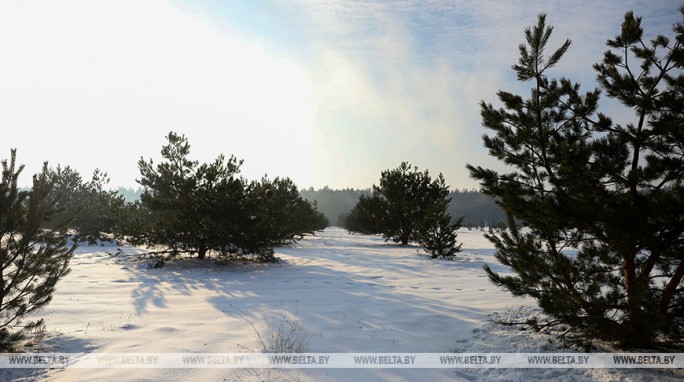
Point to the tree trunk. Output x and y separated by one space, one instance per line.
637 336
670 289
404 238
630 279
641 328
202 252
403 234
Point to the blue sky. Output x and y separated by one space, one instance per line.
325 92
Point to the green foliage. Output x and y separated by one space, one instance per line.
582 182
408 194
477 208
32 258
94 211
135 223
367 216
437 232
278 216
400 204
196 208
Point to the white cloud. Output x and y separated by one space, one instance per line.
386 110
402 80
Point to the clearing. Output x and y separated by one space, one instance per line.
347 293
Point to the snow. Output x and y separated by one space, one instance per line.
350 293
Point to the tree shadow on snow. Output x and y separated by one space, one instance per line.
55 344
345 294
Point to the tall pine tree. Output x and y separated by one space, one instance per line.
612 192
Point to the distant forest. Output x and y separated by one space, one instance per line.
477 208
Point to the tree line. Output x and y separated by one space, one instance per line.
185 206
477 208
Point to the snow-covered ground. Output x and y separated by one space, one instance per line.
349 293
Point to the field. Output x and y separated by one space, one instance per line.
335 292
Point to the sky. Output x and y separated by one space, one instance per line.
325 92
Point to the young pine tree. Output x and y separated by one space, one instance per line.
194 208
278 216
197 208
612 192
32 257
368 215
398 205
437 231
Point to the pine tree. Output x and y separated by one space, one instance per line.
437 231
32 258
94 211
368 215
398 205
196 208
614 193
279 216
